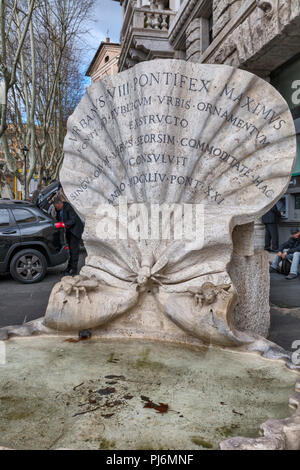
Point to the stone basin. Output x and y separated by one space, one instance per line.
92 394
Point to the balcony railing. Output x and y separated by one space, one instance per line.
146 18
157 19
141 21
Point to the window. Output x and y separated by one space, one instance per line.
23 216
106 59
4 218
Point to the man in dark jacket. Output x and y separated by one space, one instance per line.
270 219
74 229
290 250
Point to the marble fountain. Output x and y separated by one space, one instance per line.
169 164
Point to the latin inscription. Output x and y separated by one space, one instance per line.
159 126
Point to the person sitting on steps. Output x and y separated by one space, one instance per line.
290 250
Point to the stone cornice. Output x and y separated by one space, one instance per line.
129 32
143 39
189 10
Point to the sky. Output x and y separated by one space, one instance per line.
106 16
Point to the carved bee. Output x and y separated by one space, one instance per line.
208 293
78 284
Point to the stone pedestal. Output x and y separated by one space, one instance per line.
250 275
249 271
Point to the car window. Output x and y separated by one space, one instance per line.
4 218
23 216
41 218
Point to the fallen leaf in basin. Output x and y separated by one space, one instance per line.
160 408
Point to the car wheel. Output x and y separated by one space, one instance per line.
28 266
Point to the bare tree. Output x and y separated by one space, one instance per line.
9 60
47 84
9 10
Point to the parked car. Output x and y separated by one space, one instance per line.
30 241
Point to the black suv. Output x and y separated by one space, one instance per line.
30 241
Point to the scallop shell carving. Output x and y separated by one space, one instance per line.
168 131
172 132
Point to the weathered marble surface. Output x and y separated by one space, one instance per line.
107 139
214 137
249 271
262 38
75 295
48 381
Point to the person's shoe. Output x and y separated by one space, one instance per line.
291 276
273 270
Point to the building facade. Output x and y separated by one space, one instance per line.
260 36
105 61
